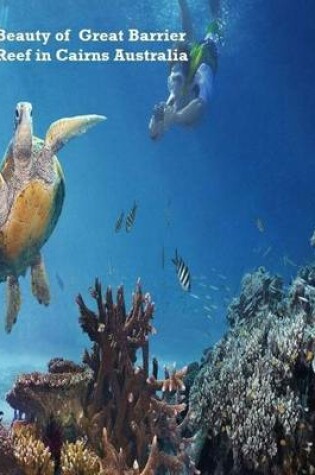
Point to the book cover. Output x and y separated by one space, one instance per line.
156 220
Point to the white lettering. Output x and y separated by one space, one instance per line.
81 56
28 36
166 35
15 56
102 36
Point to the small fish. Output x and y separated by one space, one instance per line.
260 225
214 307
163 257
60 281
208 297
207 308
194 296
202 284
168 212
110 268
303 299
182 271
221 276
267 251
131 217
213 287
286 261
119 222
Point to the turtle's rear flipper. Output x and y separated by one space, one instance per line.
40 286
63 130
13 302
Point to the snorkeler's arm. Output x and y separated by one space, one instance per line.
191 113
156 124
188 115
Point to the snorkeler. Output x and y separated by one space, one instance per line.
190 83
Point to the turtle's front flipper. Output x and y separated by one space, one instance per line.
58 134
40 286
13 302
63 130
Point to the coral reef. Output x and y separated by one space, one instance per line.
108 415
59 393
251 401
252 405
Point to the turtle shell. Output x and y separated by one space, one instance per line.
34 210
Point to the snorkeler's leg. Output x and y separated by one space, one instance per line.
187 26
4 12
40 286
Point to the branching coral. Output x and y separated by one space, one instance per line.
123 397
255 395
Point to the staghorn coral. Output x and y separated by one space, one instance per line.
123 398
254 396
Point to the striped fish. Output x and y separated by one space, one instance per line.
182 271
131 216
119 222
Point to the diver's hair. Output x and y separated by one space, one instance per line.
181 48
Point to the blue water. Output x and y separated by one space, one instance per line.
198 190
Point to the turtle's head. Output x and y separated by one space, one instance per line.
23 125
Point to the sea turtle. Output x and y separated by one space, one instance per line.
31 197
